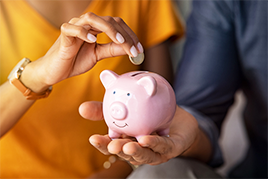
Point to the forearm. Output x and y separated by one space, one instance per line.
13 106
13 103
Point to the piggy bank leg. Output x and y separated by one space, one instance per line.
113 135
164 132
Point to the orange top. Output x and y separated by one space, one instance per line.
51 139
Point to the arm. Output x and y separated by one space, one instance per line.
66 58
209 73
13 106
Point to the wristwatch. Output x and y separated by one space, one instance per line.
14 78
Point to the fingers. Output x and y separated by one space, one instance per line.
128 150
115 147
159 144
102 25
126 31
130 33
89 25
134 153
70 31
91 110
107 146
151 149
109 50
100 142
141 155
154 149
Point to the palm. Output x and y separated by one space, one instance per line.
151 149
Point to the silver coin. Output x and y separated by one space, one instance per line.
138 59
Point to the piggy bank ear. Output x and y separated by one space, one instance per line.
107 77
149 84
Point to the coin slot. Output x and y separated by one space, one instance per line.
137 74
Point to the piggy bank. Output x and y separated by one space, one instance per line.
137 103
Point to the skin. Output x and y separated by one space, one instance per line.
59 64
69 56
185 139
58 12
66 58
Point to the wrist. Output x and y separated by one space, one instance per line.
30 79
200 149
16 79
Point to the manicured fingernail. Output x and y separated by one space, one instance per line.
91 37
140 47
133 51
119 38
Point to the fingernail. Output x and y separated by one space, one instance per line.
133 51
140 47
120 38
91 37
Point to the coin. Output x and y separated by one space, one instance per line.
138 59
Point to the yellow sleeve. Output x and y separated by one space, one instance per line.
161 22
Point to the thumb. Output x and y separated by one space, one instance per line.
91 110
109 50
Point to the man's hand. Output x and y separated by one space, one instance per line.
183 140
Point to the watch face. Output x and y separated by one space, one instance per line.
21 65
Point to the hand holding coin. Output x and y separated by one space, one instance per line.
138 59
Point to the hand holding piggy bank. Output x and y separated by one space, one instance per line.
137 103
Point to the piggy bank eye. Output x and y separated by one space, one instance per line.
114 92
128 94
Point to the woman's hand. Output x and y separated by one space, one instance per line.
184 140
76 51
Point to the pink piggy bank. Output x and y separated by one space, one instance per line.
137 103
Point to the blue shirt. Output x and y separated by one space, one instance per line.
226 51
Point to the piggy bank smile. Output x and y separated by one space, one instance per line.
120 126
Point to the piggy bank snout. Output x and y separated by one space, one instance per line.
118 110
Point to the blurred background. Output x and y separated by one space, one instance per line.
233 138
